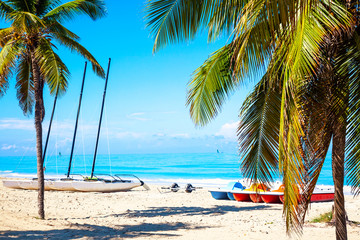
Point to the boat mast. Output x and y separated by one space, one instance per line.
76 123
101 113
51 119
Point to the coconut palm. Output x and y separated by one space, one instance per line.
29 52
306 96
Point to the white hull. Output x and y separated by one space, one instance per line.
99 186
73 185
61 185
24 184
11 184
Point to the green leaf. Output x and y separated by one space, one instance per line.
95 9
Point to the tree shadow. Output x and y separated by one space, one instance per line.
191 211
183 211
77 231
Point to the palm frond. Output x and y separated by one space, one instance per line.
25 84
52 68
290 159
348 69
44 6
253 45
6 34
317 124
95 9
26 22
21 5
73 45
224 18
8 56
172 21
258 133
300 47
211 85
5 9
57 30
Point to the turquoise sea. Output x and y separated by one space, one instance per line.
201 168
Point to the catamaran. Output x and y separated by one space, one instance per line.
76 182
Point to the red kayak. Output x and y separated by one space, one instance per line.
318 197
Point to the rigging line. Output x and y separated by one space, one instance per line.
99 127
83 142
56 148
76 123
51 119
107 136
27 149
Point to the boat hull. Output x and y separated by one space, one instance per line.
230 196
322 197
73 185
61 185
268 198
14 184
242 197
219 195
318 197
256 198
25 184
100 186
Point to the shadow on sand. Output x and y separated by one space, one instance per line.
76 231
190 211
87 231
172 211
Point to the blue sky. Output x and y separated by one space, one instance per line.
145 105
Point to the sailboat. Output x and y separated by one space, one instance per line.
76 182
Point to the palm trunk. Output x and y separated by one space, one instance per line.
338 156
38 127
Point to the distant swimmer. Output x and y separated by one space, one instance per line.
59 154
217 150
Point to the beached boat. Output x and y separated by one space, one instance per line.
277 196
225 193
272 196
99 185
319 195
93 183
250 194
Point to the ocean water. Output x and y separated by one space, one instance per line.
202 169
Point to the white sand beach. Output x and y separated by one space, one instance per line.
154 214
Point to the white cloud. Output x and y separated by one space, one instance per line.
159 135
66 128
135 116
29 149
180 135
228 130
17 124
122 135
63 143
8 147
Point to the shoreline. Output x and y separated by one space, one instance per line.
196 182
157 213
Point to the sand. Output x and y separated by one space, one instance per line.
154 214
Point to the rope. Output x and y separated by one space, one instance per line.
56 148
83 142
107 136
21 159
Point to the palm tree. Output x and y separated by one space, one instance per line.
306 53
28 50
